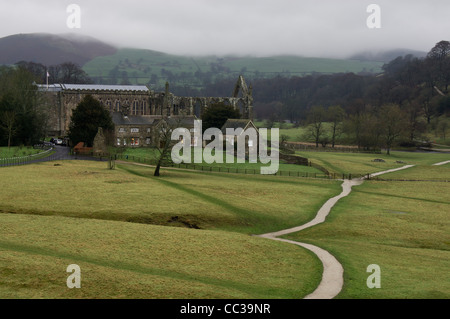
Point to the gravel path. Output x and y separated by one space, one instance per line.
333 272
441 163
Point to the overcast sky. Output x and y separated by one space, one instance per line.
246 27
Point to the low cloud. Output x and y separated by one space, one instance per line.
248 27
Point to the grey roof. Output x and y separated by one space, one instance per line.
101 87
92 87
50 88
119 119
237 123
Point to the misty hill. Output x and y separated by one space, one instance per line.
108 65
387 56
138 66
49 49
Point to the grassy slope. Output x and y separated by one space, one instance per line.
139 60
131 260
401 226
126 260
356 163
224 201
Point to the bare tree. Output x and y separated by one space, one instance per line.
316 118
163 139
392 123
336 115
8 120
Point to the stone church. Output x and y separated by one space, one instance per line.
136 110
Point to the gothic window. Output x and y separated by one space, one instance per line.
117 106
135 107
109 105
143 108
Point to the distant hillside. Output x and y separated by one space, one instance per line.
109 65
138 66
387 56
51 49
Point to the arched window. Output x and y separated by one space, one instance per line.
135 107
109 105
143 108
117 106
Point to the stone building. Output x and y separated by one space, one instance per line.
251 141
135 109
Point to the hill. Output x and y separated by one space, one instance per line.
50 49
139 66
387 56
106 64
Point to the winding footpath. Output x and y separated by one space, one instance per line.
333 272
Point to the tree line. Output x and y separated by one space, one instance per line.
66 72
22 118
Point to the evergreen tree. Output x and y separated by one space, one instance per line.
87 117
217 114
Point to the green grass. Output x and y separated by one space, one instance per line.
422 172
16 151
108 222
244 203
401 226
126 260
133 234
149 155
362 163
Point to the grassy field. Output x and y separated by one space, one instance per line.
187 233
127 260
362 163
401 226
245 203
59 213
147 155
422 172
16 151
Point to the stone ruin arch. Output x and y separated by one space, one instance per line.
241 99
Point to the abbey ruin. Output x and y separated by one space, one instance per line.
135 109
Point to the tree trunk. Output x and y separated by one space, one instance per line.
157 169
